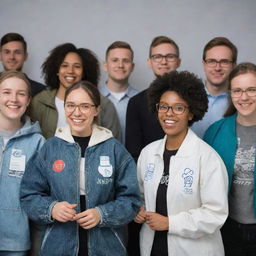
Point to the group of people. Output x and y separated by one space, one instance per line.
81 162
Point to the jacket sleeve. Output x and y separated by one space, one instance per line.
213 211
133 132
108 118
127 199
34 193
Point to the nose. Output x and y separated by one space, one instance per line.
12 54
70 69
120 63
13 97
244 95
164 60
170 112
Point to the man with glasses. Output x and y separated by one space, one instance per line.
142 126
219 59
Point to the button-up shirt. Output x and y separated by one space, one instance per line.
120 104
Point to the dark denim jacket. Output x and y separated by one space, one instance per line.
53 175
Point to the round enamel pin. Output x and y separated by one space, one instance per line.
58 165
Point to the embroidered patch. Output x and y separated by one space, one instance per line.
150 171
58 165
187 176
105 168
17 163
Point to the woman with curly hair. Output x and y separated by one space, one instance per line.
65 66
238 151
183 211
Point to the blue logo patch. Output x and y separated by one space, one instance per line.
149 172
187 176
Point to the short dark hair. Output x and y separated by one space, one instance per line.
242 68
51 66
119 44
163 40
187 85
10 37
88 87
221 41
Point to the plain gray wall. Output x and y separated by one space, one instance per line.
97 23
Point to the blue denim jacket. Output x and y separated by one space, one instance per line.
53 176
14 228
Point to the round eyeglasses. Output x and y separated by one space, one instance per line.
238 92
83 107
177 109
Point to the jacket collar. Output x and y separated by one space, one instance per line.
187 147
99 134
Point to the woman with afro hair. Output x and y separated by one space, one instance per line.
65 66
183 181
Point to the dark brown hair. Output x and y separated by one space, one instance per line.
163 40
119 44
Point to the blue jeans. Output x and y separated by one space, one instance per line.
239 239
9 253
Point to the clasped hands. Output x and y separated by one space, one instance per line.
64 212
155 220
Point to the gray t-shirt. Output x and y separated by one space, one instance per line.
241 207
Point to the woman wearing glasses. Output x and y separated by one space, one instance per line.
82 184
234 139
182 180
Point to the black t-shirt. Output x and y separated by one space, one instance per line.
82 142
160 246
83 250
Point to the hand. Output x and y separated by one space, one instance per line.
141 215
63 211
157 221
88 219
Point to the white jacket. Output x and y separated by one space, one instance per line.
196 197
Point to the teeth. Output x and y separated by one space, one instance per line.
170 121
77 120
69 78
13 106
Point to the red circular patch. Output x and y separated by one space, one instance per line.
58 165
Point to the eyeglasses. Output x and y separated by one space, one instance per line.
169 57
238 92
213 63
84 108
177 109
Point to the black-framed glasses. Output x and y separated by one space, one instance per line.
84 108
168 57
177 109
213 63
238 92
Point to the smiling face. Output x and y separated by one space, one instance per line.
162 67
217 76
245 105
14 99
175 126
13 55
80 122
119 65
70 71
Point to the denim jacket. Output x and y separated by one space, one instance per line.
110 182
14 227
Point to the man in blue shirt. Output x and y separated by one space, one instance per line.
119 66
219 58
